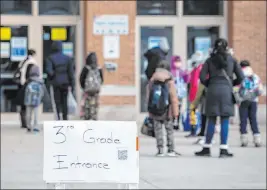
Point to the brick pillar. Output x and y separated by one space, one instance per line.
125 74
248 28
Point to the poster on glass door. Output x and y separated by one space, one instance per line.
203 44
18 48
153 41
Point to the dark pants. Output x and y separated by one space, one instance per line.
23 116
203 126
61 101
248 110
211 129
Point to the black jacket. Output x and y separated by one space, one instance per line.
219 98
91 61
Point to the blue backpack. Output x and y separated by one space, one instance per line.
33 94
249 89
158 103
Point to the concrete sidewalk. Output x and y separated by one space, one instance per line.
22 164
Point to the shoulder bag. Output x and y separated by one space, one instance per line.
235 95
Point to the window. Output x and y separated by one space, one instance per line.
20 7
201 39
203 7
14 45
156 7
59 7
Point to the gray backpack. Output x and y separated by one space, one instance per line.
92 81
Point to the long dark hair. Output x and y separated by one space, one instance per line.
219 53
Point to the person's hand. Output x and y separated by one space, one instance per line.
176 124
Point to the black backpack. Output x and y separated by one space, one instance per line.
158 103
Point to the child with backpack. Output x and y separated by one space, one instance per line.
250 89
181 78
163 106
35 94
91 79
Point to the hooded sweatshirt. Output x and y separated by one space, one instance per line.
162 75
91 61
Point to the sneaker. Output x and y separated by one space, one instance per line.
173 154
203 152
257 140
160 153
190 135
244 140
36 130
29 130
200 141
225 154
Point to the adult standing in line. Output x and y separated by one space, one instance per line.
216 75
60 70
21 76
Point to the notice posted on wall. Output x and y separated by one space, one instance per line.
5 49
111 47
67 48
91 151
18 48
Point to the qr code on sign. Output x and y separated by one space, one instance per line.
122 154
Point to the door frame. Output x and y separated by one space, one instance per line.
179 23
35 25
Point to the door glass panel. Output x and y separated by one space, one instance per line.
156 7
59 7
14 46
65 34
203 7
150 36
18 7
201 38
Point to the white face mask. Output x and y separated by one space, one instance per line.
248 71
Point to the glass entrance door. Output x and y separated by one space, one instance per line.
65 34
150 37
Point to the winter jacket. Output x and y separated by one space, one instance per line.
91 63
194 82
59 67
153 56
219 98
162 75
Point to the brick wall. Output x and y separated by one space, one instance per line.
248 34
125 74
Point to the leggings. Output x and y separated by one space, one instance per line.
211 129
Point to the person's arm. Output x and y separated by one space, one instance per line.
101 75
203 74
174 99
83 77
238 73
71 73
49 67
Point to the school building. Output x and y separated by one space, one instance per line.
120 32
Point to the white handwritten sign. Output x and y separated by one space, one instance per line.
91 151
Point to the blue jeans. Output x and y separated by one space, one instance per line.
248 110
211 129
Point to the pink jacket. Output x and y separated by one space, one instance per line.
194 83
